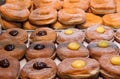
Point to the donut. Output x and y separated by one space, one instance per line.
117 2
91 19
117 35
12 12
99 32
9 67
41 49
9 24
100 48
43 34
82 4
16 34
15 49
112 20
59 26
56 4
78 68
71 16
71 50
22 3
43 16
102 6
40 68
110 66
70 34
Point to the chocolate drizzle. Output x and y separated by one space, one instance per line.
4 63
9 47
41 33
39 47
2 2
13 33
40 65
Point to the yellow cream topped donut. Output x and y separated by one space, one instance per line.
74 46
115 60
78 64
103 44
69 32
100 29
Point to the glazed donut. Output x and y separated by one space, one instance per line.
56 4
71 16
22 3
43 16
117 2
102 6
9 24
83 4
112 20
12 12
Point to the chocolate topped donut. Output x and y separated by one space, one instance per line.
9 67
14 49
43 34
16 34
40 68
41 49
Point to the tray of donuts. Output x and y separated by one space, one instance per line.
70 54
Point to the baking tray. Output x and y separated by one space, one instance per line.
57 61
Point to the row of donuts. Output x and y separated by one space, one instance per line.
65 17
70 68
94 32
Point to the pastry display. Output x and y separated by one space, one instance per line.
91 19
102 6
112 20
41 49
8 24
70 34
16 34
71 50
99 32
14 49
40 68
56 4
43 16
117 35
12 12
100 48
71 16
78 68
110 66
9 67
59 26
44 34
82 4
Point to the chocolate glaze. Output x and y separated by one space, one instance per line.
4 63
9 47
41 33
13 33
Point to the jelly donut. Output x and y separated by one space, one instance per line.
78 68
40 68
43 34
14 49
16 34
70 34
43 16
41 49
71 16
100 48
71 50
99 32
9 67
14 12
